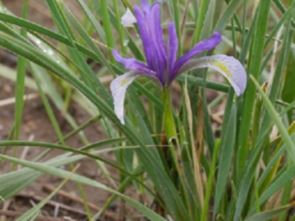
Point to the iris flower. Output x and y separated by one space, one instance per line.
163 64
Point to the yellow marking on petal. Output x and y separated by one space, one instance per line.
123 82
222 67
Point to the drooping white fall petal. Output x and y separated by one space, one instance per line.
118 88
228 66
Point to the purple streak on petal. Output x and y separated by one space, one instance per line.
156 29
144 2
156 33
144 33
204 45
172 46
145 5
149 26
133 65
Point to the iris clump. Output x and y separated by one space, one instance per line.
162 61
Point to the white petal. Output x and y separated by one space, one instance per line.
118 88
228 66
128 19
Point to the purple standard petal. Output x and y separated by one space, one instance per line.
155 27
228 66
144 33
159 60
145 5
172 46
204 45
149 25
133 65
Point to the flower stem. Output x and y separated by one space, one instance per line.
169 127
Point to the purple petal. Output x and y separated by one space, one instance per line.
156 29
133 65
149 25
159 61
144 33
204 45
172 46
145 5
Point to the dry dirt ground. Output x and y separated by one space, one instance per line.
66 205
